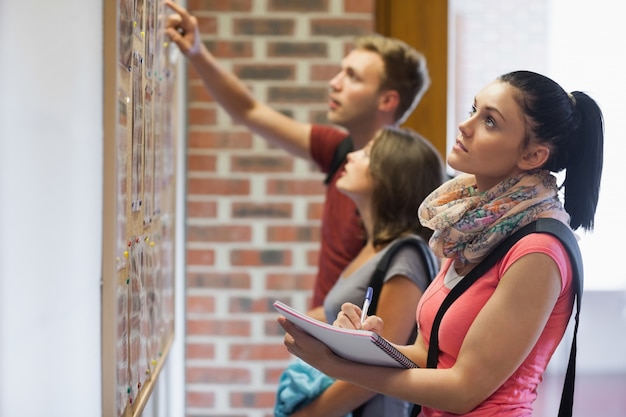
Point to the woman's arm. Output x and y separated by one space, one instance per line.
397 304
494 347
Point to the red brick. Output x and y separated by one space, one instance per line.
260 257
300 95
222 233
197 116
290 281
251 210
200 399
205 163
295 187
258 71
200 351
220 5
218 280
200 304
324 72
196 93
297 49
297 6
253 163
218 186
192 76
254 399
201 209
264 26
258 352
200 257
272 375
341 27
293 233
228 49
219 140
359 6
213 375
312 257
199 327
250 305
207 25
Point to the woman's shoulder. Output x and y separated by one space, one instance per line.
542 243
539 243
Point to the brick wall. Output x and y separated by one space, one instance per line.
253 212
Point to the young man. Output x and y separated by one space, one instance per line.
380 82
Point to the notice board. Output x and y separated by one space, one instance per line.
139 202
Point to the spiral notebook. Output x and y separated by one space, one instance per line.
360 346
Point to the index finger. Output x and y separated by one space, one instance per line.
178 9
349 317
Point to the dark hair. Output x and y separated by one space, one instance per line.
405 70
406 168
572 126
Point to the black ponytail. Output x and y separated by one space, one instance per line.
584 168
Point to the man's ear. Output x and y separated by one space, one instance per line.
389 101
535 157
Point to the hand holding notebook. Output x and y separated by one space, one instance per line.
361 346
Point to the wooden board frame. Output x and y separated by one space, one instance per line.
139 203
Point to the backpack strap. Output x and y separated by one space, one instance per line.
431 263
341 151
567 238
565 234
425 253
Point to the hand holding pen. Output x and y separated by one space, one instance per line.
349 318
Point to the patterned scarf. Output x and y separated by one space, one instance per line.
468 224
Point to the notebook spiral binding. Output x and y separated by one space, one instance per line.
393 352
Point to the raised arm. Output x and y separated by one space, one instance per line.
231 93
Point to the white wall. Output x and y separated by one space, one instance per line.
586 42
51 147
579 44
50 207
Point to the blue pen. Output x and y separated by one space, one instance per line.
366 303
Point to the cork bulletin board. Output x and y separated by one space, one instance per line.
140 124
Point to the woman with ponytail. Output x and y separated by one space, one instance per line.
496 339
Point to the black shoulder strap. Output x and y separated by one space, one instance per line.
376 281
568 239
342 150
426 254
566 236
